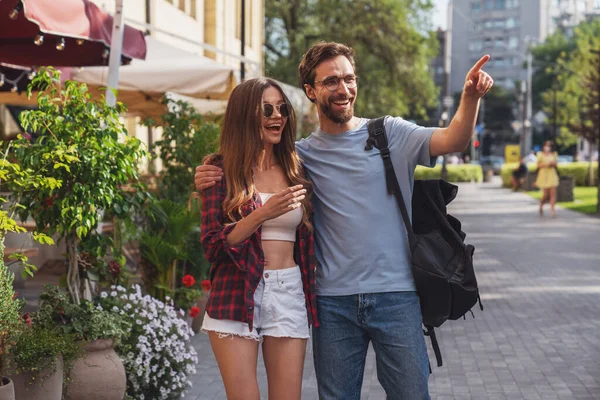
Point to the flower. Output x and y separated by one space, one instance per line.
206 285
194 312
27 319
114 268
188 280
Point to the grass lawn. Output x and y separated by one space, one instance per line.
585 199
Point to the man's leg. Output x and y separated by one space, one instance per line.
340 346
394 326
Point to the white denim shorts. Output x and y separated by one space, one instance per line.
279 309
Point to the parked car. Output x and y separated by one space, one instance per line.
493 163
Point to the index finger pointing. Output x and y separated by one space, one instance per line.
479 64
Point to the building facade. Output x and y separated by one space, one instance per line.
504 29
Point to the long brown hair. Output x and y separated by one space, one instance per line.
241 146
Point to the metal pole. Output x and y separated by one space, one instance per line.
243 40
529 127
115 54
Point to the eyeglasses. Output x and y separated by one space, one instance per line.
283 110
332 83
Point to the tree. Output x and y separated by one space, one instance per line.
580 85
391 39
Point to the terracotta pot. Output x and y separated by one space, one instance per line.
99 374
7 390
47 385
197 322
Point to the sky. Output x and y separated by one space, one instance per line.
439 14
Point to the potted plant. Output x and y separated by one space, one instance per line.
9 319
82 144
38 358
156 351
97 331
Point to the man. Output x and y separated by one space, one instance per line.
365 286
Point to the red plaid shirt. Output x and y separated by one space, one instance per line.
237 270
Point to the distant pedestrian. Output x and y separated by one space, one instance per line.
547 178
518 175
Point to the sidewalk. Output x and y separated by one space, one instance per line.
539 335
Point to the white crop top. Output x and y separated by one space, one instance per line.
283 227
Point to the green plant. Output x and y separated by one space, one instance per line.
83 145
456 173
186 139
164 245
84 321
35 348
9 311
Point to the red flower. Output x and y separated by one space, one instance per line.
27 319
206 285
194 312
188 280
114 268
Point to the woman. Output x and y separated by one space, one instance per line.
547 177
256 232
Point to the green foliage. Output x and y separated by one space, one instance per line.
83 145
580 171
171 236
9 309
391 39
84 322
186 139
84 148
456 173
36 348
498 113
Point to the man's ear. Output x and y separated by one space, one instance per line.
310 92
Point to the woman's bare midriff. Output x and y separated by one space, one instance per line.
278 254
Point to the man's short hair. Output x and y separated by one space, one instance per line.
316 55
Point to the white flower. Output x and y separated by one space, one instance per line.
115 309
104 295
113 293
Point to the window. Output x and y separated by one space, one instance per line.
476 45
488 24
238 21
499 24
499 43
475 8
511 23
487 43
499 62
512 3
489 4
499 4
513 42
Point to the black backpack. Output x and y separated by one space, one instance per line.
442 264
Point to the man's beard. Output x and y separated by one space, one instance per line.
340 117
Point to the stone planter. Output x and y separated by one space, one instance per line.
564 192
99 374
197 322
7 390
47 385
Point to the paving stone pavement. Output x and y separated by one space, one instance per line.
539 334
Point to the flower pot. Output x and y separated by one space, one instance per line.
99 374
197 322
7 390
47 385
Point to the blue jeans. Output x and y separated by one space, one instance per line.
392 321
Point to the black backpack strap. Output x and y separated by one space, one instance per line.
378 138
434 344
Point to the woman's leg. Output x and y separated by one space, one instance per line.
237 358
284 362
545 195
552 200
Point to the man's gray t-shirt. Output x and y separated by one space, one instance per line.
361 243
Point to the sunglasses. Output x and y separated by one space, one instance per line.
283 110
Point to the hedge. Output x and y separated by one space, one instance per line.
456 173
579 170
